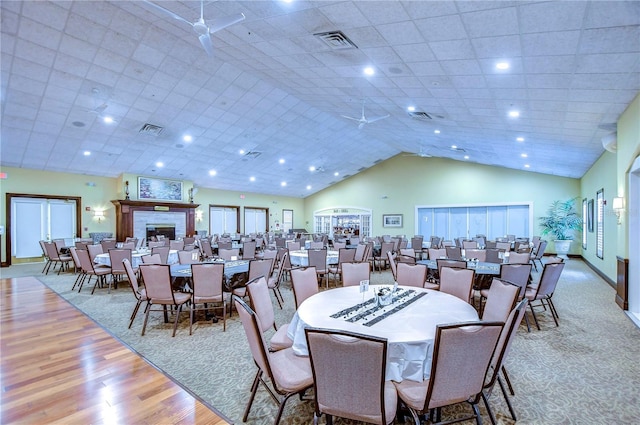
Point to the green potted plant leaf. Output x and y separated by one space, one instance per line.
560 222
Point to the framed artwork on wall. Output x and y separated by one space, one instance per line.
159 189
392 220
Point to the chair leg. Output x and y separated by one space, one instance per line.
175 322
506 398
506 378
476 411
489 410
135 312
254 389
534 316
275 294
146 317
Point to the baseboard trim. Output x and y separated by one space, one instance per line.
598 272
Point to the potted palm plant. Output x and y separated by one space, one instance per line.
561 221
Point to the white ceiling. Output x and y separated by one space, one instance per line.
274 88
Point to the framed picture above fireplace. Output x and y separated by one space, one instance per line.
159 189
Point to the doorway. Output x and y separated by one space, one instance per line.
633 208
31 218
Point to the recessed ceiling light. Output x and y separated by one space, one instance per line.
308 187
454 147
107 120
312 168
241 152
436 131
336 174
369 71
520 139
252 179
86 153
212 172
283 184
159 164
514 114
524 155
466 157
281 161
526 165
502 65
187 138
411 108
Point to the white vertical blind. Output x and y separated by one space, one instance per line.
28 227
600 223
255 220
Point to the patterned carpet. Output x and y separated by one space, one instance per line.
586 371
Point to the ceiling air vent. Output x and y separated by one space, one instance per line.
336 40
253 154
151 130
420 116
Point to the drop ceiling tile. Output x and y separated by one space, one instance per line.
401 33
46 13
551 16
34 53
487 23
550 43
442 28
455 49
612 14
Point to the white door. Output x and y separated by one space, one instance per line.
36 219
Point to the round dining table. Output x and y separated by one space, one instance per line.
408 323
301 257
136 258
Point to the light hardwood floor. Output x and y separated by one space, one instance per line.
58 366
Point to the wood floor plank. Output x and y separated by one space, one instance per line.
58 366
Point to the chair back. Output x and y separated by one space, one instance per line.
188 240
205 247
479 254
349 375
95 250
542 246
435 242
116 256
75 258
131 275
253 331
456 264
318 259
384 248
501 299
51 250
519 257
260 268
407 255
227 254
353 273
304 282
437 253
85 260
316 245
506 246
206 280
163 251
461 356
346 255
457 282
153 244
249 250
469 245
224 245
108 244
261 302
151 259
293 246
492 255
454 252
176 245
518 274
188 257
337 246
411 274
129 245
416 243
359 254
393 264
157 282
549 279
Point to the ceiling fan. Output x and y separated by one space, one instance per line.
363 119
203 28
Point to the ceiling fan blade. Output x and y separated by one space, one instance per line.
205 40
350 118
168 12
370 120
221 23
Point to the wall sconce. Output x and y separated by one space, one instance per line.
198 215
618 207
98 214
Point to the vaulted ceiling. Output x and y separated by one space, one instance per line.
278 91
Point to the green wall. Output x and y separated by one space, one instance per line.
409 181
97 193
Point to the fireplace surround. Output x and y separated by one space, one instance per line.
184 217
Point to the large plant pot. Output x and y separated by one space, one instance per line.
562 248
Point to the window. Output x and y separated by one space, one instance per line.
224 219
255 220
600 224
585 214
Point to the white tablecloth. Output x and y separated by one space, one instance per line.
301 257
136 258
410 332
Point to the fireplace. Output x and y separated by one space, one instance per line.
167 230
135 218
